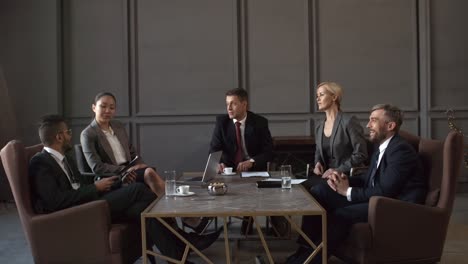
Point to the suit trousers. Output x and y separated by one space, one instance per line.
128 202
341 215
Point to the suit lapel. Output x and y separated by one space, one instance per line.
336 124
60 173
103 141
249 132
383 161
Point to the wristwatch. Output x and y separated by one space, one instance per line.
252 160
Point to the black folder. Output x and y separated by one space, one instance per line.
268 184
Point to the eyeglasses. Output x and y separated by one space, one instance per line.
68 131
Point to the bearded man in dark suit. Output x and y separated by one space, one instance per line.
57 184
395 172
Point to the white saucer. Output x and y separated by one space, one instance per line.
228 174
184 194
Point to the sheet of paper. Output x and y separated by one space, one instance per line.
247 174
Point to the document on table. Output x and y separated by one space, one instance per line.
293 181
248 174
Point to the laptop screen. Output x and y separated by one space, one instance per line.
211 168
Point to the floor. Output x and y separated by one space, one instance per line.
14 249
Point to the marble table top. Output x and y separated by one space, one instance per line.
243 198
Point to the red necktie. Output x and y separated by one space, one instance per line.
239 152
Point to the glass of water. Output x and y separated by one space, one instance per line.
170 176
286 173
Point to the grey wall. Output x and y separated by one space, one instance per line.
170 62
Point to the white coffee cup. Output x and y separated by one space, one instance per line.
227 170
183 189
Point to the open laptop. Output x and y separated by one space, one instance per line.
211 169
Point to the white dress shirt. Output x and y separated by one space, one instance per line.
117 148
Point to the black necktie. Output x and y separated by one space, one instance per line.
73 180
374 169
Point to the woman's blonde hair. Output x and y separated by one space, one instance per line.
334 89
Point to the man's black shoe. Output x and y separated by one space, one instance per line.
202 242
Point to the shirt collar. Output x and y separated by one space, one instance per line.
241 121
54 153
110 131
384 145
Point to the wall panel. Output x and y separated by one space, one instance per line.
449 61
277 55
95 54
182 146
170 62
289 127
369 47
186 56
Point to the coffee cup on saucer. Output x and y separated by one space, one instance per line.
183 189
227 170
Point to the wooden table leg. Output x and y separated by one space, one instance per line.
226 241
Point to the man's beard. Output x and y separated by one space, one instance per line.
66 147
378 137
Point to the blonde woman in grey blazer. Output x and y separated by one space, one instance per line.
107 149
339 139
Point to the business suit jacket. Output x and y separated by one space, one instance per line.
256 135
52 190
347 144
98 152
399 175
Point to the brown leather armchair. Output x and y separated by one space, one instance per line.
401 232
80 234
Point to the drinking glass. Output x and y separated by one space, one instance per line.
170 176
286 173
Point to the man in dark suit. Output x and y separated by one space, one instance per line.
243 136
57 184
394 172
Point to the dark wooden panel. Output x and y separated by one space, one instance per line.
277 55
449 60
95 54
187 56
370 48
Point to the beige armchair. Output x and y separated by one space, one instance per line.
80 234
401 232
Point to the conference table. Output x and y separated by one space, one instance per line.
243 198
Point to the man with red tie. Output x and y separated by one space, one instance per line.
243 136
